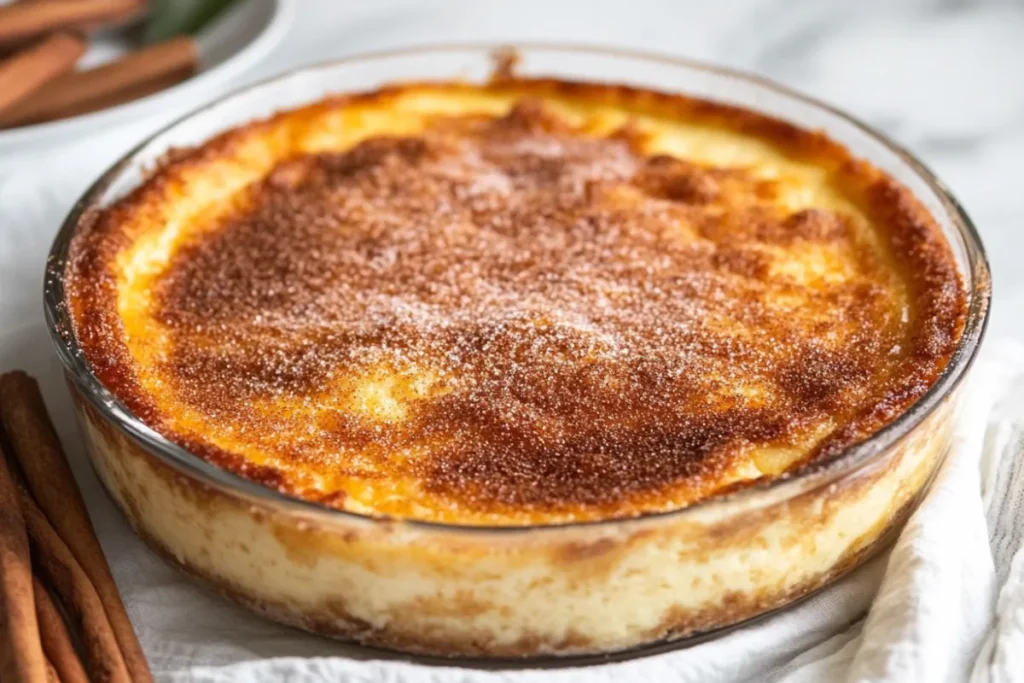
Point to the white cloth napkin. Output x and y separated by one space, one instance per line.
947 604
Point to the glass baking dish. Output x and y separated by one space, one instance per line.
621 586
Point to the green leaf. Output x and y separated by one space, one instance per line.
169 18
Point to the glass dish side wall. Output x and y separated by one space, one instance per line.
562 590
570 590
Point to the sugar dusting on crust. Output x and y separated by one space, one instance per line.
505 316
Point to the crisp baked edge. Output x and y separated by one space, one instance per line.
913 237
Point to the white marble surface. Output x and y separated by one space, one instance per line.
944 77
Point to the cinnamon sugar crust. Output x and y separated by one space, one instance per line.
527 302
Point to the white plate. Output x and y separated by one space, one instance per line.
234 43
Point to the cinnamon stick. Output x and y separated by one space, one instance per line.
36 447
21 655
28 70
56 639
23 21
135 75
103 657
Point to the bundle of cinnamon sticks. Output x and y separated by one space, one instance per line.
61 617
44 39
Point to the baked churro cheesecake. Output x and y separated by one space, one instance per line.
526 303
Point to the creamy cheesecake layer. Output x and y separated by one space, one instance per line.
529 302
581 589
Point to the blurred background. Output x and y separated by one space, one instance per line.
943 77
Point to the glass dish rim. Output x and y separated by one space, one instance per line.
786 486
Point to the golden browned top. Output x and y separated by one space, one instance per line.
523 302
